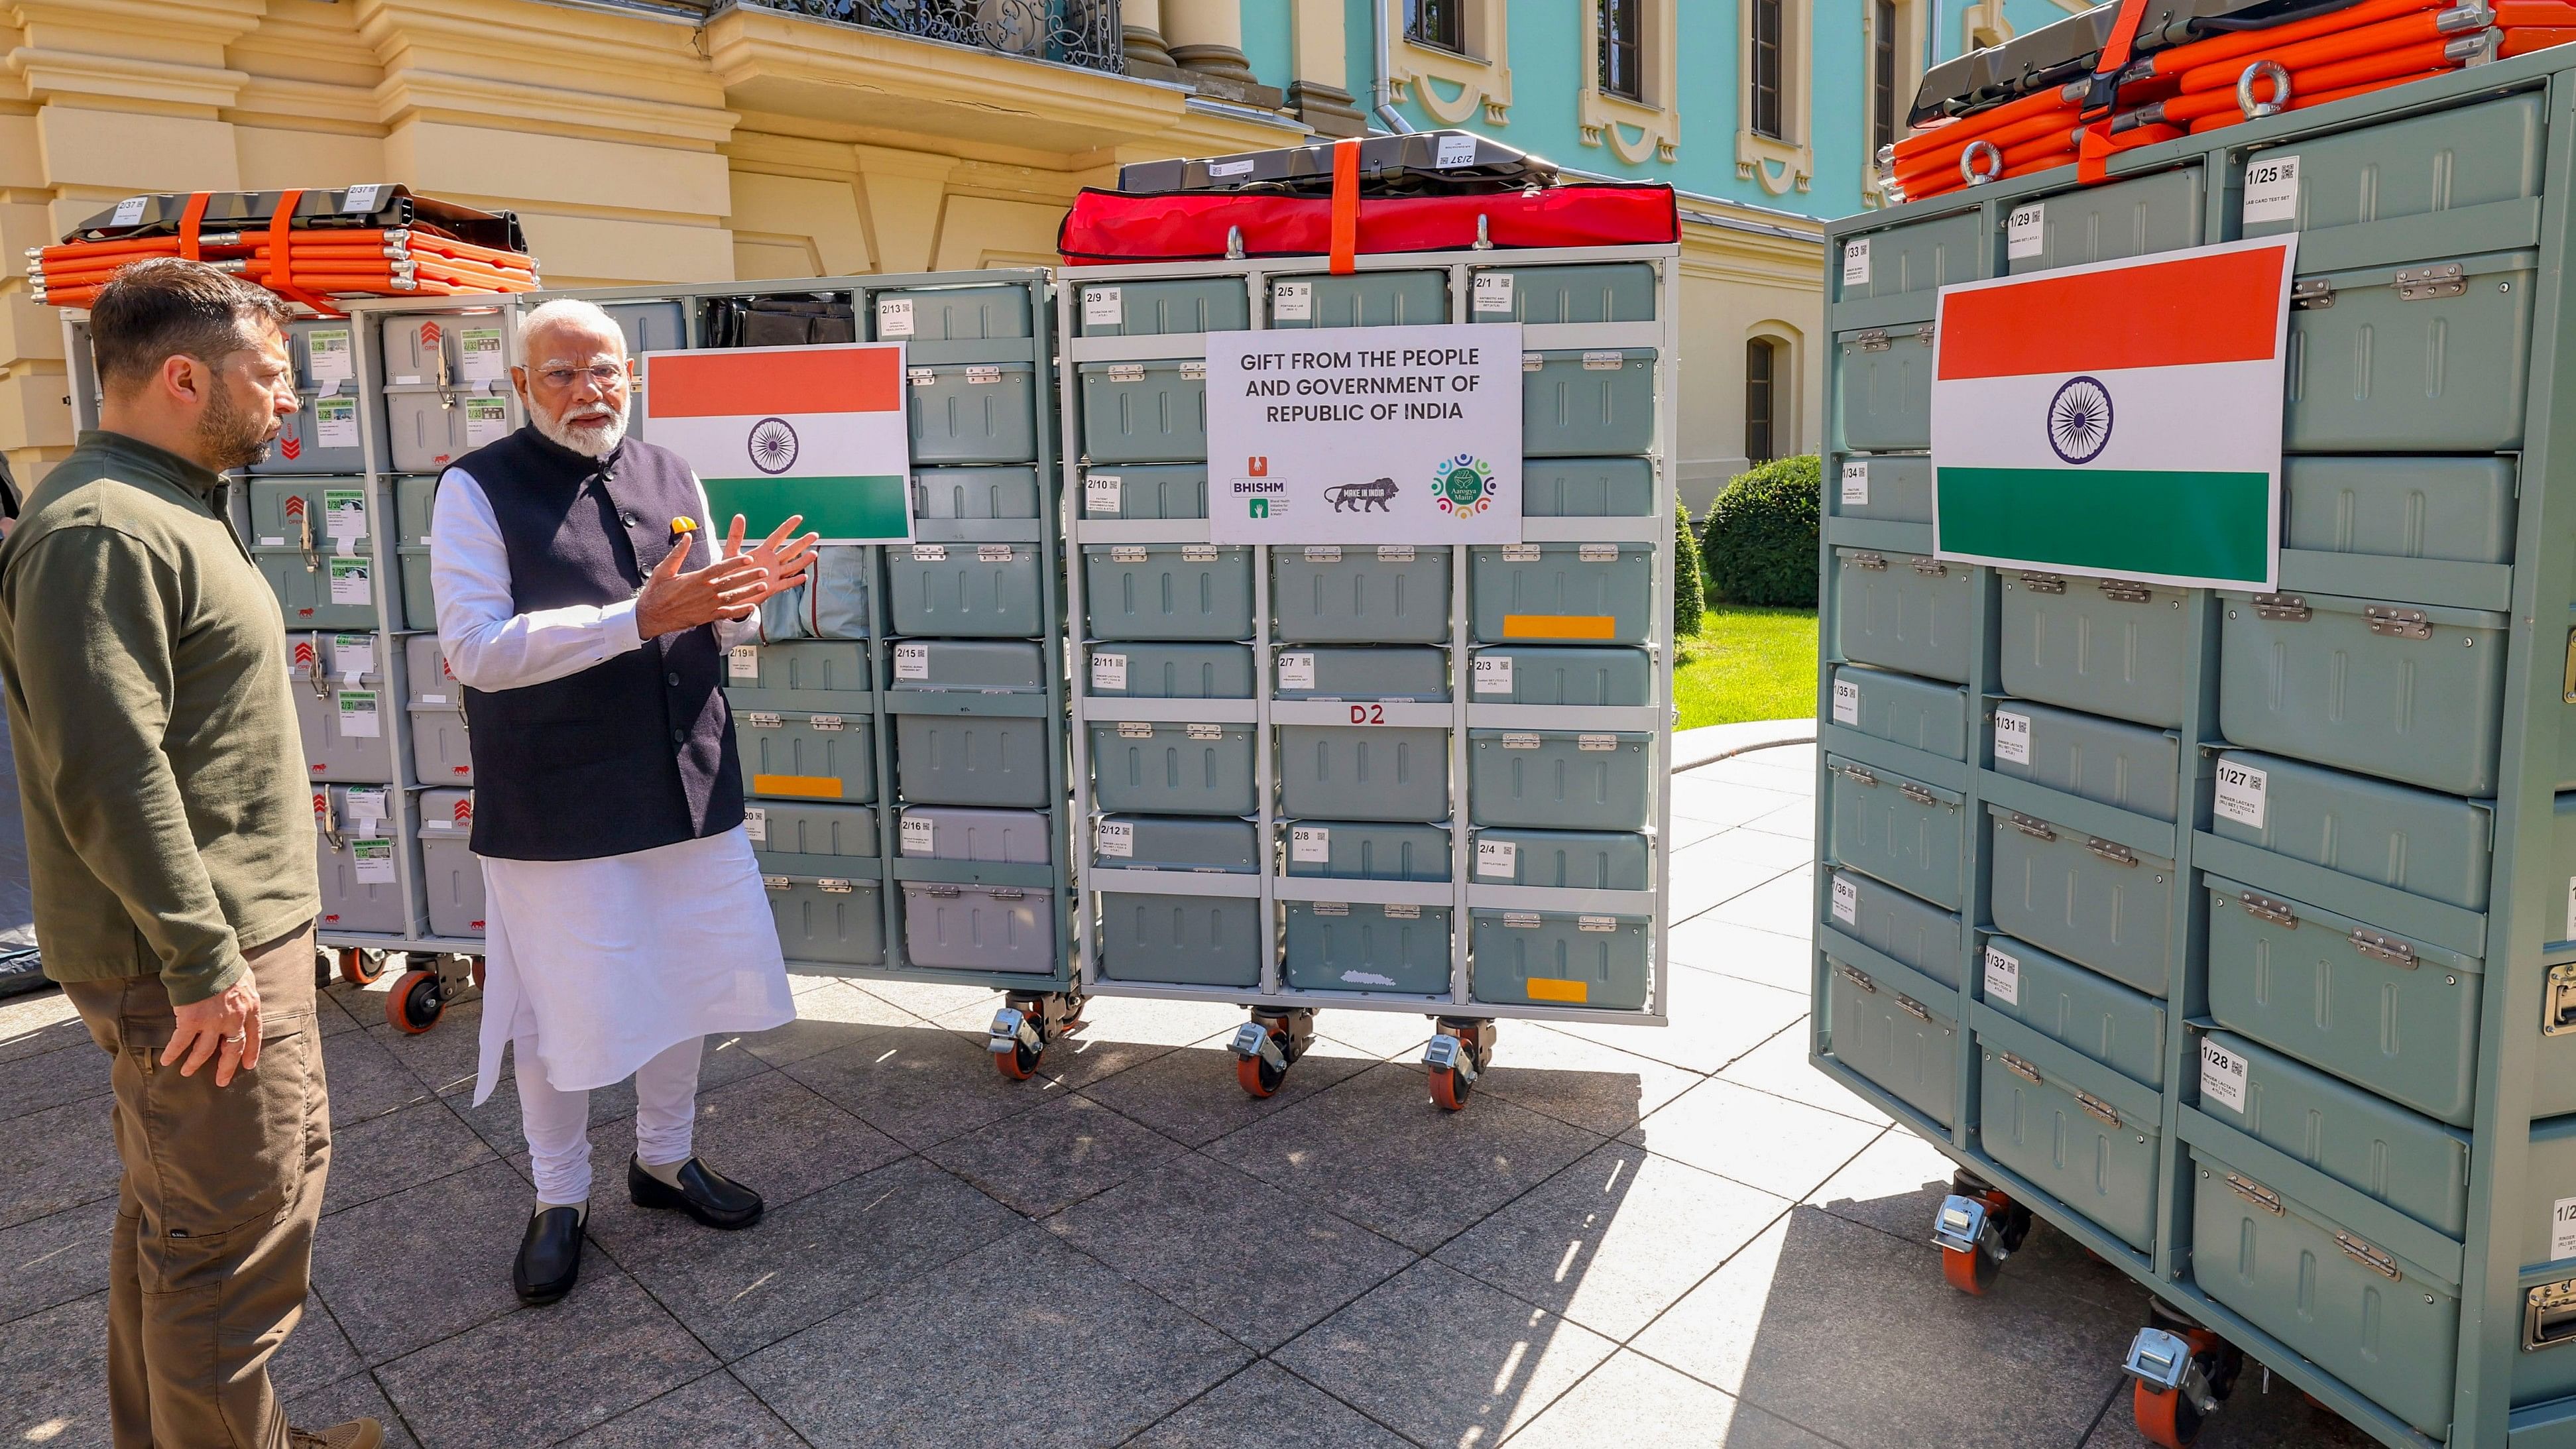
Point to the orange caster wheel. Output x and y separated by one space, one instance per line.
1257 1077
1267 1046
1024 1026
1970 1272
1449 1089
478 973
2183 1373
417 1001
1460 1051
360 966
1019 1063
1977 1228
2164 1416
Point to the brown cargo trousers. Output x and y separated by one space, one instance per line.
213 1249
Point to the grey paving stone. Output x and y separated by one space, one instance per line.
928 1000
1592 1084
1894 1185
1064 1151
1120 1035
387 1154
52 1260
315 1354
1779 1146
53 1377
540 1375
1268 1406
354 1397
1443 1359
1183 1230
1633 1400
1748 953
1780 1067
767 1132
1705 875
1191 1096
57 1158
1715 1019
1726 802
332 1014
74 1071
919 1085
1784 1324
39 1023
814 1257
391 1297
2250 1419
715 1412
443 1057
1614 1239
1387 1035
832 1015
366 1079
1796 822
1376 1151
1036 1346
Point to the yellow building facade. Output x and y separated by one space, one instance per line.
645 143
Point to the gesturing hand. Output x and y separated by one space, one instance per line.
677 598
224 1026
787 559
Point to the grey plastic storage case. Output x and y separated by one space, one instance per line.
2061 1128
451 874
1904 612
1146 669
2407 692
1172 769
967 590
2095 902
1904 832
1912 932
1356 946
807 756
828 921
1561 674
1906 1046
1565 779
1901 709
1551 958
1561 593
1347 772
1168 591
2104 646
1331 595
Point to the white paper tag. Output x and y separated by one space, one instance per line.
1292 302
912 661
1455 149
1856 485
2562 1229
1493 291
1118 839
2240 794
1100 493
1222 169
359 200
919 833
1108 671
353 655
2271 188
742 661
269 541
129 211
1296 671
2571 909
2222 1076
1856 262
487 420
894 316
1104 306
1312 844
755 824
349 582
367 802
482 348
2023 231
374 860
1493 674
1846 901
1846 703
344 510
2012 738
358 717
1400 912
1498 859
2003 977
335 422
327 356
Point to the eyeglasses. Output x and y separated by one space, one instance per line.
607 375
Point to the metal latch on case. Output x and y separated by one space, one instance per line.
2264 908
2312 294
2111 850
2558 1003
1913 1008
1856 775
1919 794
2423 284
2021 1069
1925 333
2397 623
2383 948
1874 562
2289 607
1931 568
2099 1110
2567 683
2372 1258
2121 591
2035 829
2255 1193
2043 583
1857 977
2549 1315
1874 340
833 887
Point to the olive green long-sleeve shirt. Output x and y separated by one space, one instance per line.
169 822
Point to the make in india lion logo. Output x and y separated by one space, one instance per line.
1465 486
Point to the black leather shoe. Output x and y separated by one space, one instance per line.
704 1193
549 1256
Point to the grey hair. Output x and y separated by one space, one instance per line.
568 310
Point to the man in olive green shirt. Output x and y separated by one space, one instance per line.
170 846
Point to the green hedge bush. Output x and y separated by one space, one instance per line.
1690 592
1760 537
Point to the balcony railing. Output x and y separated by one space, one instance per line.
1069 32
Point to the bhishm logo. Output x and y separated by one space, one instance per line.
1464 486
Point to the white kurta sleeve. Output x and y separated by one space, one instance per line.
729 632
487 646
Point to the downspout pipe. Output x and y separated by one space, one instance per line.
1382 93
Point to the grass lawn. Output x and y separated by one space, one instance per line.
1746 663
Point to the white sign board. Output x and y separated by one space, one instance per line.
1375 435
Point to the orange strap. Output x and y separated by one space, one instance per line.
2116 54
190 220
1346 207
281 258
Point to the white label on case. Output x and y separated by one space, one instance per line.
1292 302
1493 291
129 212
742 661
327 356
1846 702
1455 149
2562 1229
1312 844
1108 671
2571 909
1856 485
1297 671
2024 231
1846 901
2012 738
2222 1076
358 717
755 824
358 200
1229 168
487 420
1500 859
894 316
482 347
1493 674
265 541
349 582
2271 189
1856 262
1100 493
374 860
344 510
912 661
2240 794
919 833
1118 838
1104 306
368 802
2003 977
335 422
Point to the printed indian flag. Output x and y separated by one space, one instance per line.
2121 419
774 431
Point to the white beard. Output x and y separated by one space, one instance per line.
590 442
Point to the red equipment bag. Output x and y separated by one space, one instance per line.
1108 227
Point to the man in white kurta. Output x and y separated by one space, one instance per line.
619 964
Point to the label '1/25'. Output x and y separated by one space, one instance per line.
2271 189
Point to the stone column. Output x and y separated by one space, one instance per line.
1316 95
1141 22
1207 36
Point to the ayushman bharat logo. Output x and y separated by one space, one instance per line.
1464 485
2079 420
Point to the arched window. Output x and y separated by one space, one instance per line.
1761 399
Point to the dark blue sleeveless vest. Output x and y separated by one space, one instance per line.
629 754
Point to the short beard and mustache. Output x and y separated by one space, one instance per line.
235 437
597 441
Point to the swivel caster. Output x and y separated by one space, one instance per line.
362 965
476 970
418 1000
1976 1228
326 965
2183 1373
1024 1026
1268 1045
1461 1049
